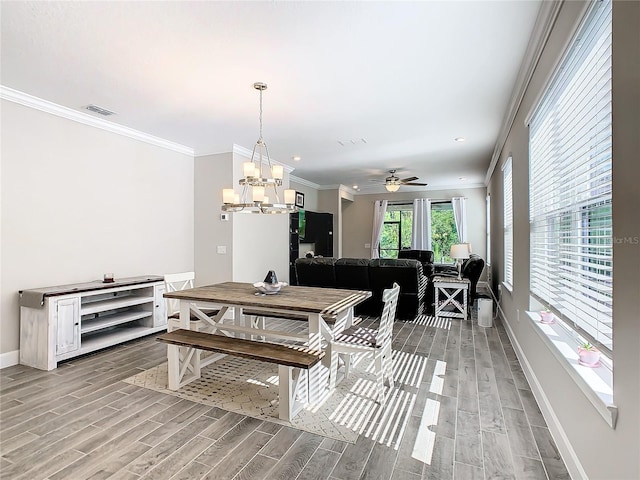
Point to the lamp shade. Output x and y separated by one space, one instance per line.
460 250
277 171
248 169
258 194
228 195
289 197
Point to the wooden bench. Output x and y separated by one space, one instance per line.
293 363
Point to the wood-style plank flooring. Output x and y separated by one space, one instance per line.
81 421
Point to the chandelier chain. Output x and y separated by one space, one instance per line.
260 115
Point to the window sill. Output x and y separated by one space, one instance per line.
595 383
508 287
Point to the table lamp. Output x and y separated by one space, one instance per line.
460 251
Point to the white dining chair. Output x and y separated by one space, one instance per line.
175 282
368 342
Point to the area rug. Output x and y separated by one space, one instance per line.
250 388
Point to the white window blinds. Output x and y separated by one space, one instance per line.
507 186
570 184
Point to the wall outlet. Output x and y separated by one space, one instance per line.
367 245
222 249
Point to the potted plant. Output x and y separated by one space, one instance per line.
589 355
546 316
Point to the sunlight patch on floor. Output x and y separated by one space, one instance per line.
386 423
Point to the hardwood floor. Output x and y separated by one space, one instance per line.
474 418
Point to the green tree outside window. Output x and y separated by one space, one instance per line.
398 230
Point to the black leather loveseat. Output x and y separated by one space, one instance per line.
373 275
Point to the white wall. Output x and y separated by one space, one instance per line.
212 174
78 201
590 447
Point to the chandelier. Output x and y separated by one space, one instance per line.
259 186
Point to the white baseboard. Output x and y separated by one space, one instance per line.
9 359
557 432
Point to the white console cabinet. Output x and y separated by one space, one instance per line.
58 323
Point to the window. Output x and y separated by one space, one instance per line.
507 187
570 185
396 231
443 231
398 226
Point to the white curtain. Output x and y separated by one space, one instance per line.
421 235
379 209
460 215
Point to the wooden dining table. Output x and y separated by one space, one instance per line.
240 309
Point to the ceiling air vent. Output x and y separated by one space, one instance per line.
99 110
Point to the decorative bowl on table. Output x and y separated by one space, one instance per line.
269 288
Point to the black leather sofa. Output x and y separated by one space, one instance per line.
425 257
373 275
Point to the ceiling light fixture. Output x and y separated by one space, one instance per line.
255 182
392 187
460 139
296 158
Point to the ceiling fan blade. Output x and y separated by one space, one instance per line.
416 184
409 179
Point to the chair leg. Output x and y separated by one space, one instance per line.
346 358
388 366
333 373
379 378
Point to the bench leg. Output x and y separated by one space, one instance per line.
183 364
258 322
293 391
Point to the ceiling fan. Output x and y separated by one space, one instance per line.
392 183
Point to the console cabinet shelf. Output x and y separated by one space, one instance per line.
58 323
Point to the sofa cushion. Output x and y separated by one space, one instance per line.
383 272
352 273
316 272
406 272
425 257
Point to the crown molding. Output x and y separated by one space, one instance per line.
541 31
329 187
302 181
346 192
30 101
245 152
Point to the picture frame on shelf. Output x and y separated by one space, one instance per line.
299 199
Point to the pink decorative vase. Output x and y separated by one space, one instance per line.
589 357
547 317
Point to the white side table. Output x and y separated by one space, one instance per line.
450 288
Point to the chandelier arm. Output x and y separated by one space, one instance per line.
254 177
